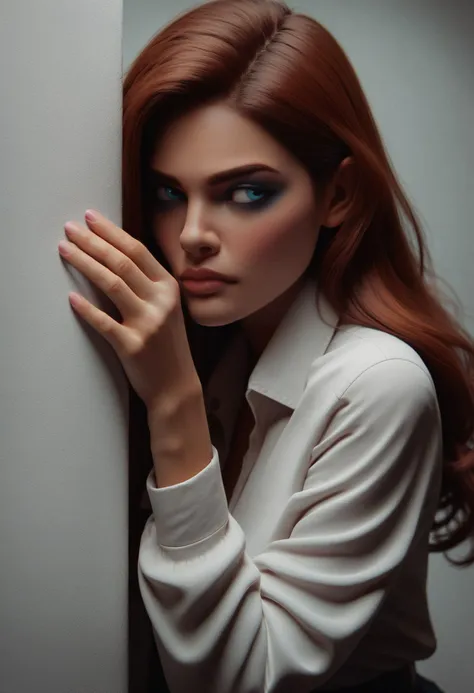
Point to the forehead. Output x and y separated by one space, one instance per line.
216 137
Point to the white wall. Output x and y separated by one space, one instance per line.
416 64
63 399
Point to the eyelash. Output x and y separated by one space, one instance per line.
256 204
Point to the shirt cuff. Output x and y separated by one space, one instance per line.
192 510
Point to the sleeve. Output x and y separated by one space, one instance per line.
289 617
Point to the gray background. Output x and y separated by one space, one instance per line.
63 400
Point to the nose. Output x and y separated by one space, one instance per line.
197 232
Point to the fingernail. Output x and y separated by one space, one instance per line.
91 215
64 247
71 227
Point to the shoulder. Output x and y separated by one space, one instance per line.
374 366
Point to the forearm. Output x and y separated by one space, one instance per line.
179 437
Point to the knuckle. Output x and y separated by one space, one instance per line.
114 285
123 265
175 290
136 345
102 253
171 295
151 323
105 325
136 250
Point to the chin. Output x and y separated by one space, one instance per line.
206 318
209 322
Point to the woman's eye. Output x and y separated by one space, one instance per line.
254 197
244 196
169 194
249 195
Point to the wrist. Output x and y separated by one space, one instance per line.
179 437
169 404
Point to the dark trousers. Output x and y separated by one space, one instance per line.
401 681
404 680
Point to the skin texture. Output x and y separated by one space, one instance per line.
268 247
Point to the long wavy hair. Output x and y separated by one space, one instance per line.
287 73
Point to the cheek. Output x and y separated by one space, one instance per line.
285 237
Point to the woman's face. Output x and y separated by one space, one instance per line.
259 228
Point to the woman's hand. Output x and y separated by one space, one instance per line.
151 341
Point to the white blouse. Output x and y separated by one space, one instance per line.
313 577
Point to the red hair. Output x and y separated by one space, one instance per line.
287 73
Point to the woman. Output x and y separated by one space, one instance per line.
310 414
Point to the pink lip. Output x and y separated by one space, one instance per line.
202 274
203 287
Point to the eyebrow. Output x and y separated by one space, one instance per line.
221 177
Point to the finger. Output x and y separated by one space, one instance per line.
114 259
127 302
115 333
128 245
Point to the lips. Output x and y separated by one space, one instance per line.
204 275
203 287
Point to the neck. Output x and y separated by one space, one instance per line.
260 326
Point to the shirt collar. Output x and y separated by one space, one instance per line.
302 336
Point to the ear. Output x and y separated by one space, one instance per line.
339 193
